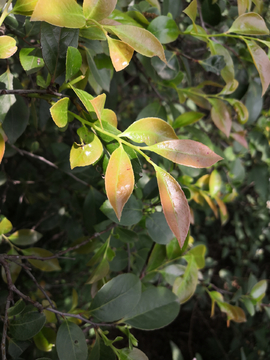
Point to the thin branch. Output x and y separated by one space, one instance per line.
23 92
5 325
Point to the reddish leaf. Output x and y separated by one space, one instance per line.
98 105
174 204
2 147
98 9
150 131
249 24
241 138
119 180
85 98
120 53
186 152
221 116
109 116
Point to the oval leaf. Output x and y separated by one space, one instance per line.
59 112
215 183
240 109
119 180
25 237
186 152
164 28
5 225
109 116
221 116
85 98
26 326
120 53
98 9
7 46
258 290
84 155
150 131
134 354
73 62
175 205
44 265
249 24
98 105
187 118
70 342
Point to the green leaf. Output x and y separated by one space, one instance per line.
158 228
234 313
198 252
116 298
25 237
240 109
157 308
139 39
215 183
16 348
98 75
42 341
149 131
134 354
26 326
109 116
44 265
211 12
85 99
164 28
155 110
86 154
66 13
24 7
221 116
59 112
154 3
99 273
31 60
258 291
249 306
8 100
98 9
92 33
16 309
7 46
176 352
249 24
213 64
191 11
14 268
70 342
184 287
187 118
5 225
168 71
73 62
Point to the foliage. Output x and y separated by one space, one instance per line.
95 141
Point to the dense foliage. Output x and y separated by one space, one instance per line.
122 123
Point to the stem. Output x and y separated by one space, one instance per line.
5 12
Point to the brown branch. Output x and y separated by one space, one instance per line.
5 325
23 92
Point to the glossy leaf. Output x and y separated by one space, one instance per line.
119 180
186 152
157 308
100 76
25 237
98 9
109 116
175 205
164 28
149 131
26 326
73 62
249 24
258 291
70 342
7 46
187 118
98 105
139 39
261 62
31 60
221 116
59 13
157 258
120 53
44 265
242 6
24 7
215 183
59 112
116 298
99 273
5 225
86 154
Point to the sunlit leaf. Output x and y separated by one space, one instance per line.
215 183
98 9
186 152
249 24
65 13
242 6
210 202
7 46
198 252
25 237
109 116
98 105
149 131
5 225
175 205
119 180
188 118
261 62
221 116
44 265
120 53
258 290
42 342
31 60
16 309
59 112
191 10
24 7
85 98
86 154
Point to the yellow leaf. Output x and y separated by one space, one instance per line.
7 46
120 53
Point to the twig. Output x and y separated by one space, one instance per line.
201 18
5 325
23 92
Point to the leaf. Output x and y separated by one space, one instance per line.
98 105
119 180
26 326
234 313
261 62
99 273
157 308
25 237
87 154
157 258
59 112
186 152
116 298
258 291
98 9
170 70
70 342
213 64
240 109
249 24
97 74
191 11
120 53
211 12
73 62
158 228
42 342
8 100
16 348
210 202
109 116
134 354
85 98
5 225
174 204
24 7
187 118
242 6
154 3
176 352
7 46
31 60
149 131
221 116
59 13
164 28
215 183
240 137
139 39
198 252
14 268
184 287
44 265
17 308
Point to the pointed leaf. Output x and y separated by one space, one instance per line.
5 225
261 62
7 46
210 202
99 273
87 154
25 237
186 152
85 98
24 7
154 3
187 118
198 252
221 116
59 112
149 131
17 308
134 354
26 326
109 116
139 39
59 13
249 24
71 342
234 313
73 62
14 268
242 6
120 53
119 180
175 205
224 216
98 105
191 11
44 265
98 9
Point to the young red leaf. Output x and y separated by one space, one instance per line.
109 116
120 53
150 131
221 116
186 152
84 155
174 204
261 62
7 46
98 9
249 24
119 180
98 105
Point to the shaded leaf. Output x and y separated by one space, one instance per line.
210 202
85 98
25 237
158 228
240 109
17 308
164 28
234 313
7 46
26 326
120 53
154 3
240 137
258 290
168 71
73 62
98 9
213 64
59 112
134 354
16 348
157 258
242 6
211 12
44 265
100 272
14 268
221 116
97 74
249 24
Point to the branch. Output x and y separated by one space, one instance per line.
23 92
5 325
